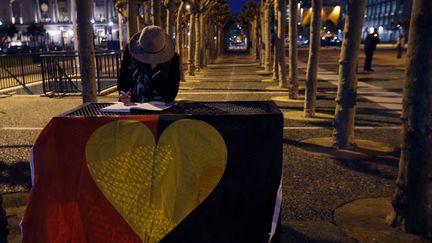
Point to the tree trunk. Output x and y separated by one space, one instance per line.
312 68
147 12
293 86
267 56
170 18
221 41
179 37
156 18
281 19
75 29
412 201
276 52
87 54
205 41
197 43
120 29
191 51
202 40
132 16
262 35
343 133
257 39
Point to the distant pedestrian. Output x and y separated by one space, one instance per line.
370 44
400 42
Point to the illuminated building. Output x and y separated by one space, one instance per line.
55 15
389 17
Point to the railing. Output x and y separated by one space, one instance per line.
61 73
19 70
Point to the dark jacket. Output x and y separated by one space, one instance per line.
371 41
164 78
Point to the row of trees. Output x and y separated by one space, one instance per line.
412 201
192 23
197 24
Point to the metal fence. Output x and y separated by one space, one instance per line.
58 71
19 70
61 71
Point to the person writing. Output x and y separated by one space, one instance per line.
150 69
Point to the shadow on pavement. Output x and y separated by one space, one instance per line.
16 174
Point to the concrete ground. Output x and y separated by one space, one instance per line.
314 184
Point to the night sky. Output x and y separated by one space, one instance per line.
236 5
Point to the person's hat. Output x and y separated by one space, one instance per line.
152 45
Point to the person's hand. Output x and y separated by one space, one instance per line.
125 97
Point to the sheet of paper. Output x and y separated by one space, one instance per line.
125 107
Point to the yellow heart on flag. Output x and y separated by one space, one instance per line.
154 187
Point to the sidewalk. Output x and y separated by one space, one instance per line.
314 184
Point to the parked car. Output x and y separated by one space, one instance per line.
330 40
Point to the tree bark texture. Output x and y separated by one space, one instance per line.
280 45
156 17
87 54
275 42
267 45
121 34
202 40
412 201
132 16
312 67
179 36
191 51
147 12
256 37
262 34
197 42
343 133
292 35
170 12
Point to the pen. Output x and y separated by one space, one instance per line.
125 93
154 75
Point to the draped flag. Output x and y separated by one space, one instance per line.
152 179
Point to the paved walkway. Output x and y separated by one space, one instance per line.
314 185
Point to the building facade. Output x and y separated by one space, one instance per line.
55 15
390 17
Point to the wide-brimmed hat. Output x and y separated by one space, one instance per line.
152 45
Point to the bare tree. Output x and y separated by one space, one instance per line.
292 30
412 201
197 39
170 7
280 45
87 54
156 17
343 133
147 12
132 17
312 67
179 36
275 41
191 51
267 37
249 16
262 34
